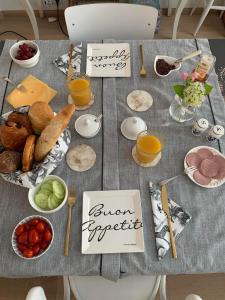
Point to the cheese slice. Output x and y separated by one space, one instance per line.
35 90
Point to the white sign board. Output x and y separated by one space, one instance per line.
112 222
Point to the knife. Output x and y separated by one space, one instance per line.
165 207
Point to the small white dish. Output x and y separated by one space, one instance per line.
170 60
14 238
215 182
87 125
81 158
34 190
28 63
139 100
132 126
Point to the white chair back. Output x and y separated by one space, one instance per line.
36 293
119 21
98 288
193 297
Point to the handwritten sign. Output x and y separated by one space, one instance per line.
112 222
108 60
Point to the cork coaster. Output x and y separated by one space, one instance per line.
139 100
70 101
146 165
81 158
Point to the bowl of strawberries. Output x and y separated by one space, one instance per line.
25 53
32 237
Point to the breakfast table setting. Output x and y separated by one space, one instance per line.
120 223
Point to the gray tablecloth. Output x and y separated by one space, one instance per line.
201 245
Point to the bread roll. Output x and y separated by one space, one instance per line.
13 137
40 114
9 161
21 119
51 133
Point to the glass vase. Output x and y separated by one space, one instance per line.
180 112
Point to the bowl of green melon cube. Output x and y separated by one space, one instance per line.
49 196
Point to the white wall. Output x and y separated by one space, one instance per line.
15 5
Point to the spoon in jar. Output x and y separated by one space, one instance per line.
186 57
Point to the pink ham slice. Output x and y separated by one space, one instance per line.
193 159
201 179
221 163
205 153
209 168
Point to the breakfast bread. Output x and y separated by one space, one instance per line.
52 131
13 137
21 119
40 114
28 153
9 161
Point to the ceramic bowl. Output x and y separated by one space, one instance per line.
28 63
170 60
34 190
14 241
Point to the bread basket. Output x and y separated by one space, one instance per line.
40 169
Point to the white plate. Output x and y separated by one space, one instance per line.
215 182
101 212
108 60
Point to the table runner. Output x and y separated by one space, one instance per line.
201 244
14 204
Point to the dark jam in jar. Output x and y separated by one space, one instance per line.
163 67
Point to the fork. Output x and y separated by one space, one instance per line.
187 171
143 72
19 86
71 203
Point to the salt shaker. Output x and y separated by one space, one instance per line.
215 133
200 126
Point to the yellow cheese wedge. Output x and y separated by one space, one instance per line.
35 90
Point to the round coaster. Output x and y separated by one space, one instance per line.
81 158
70 101
146 165
139 100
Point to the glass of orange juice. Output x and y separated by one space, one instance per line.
80 91
148 147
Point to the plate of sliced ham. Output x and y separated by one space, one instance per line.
210 165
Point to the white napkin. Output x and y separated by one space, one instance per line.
62 61
178 216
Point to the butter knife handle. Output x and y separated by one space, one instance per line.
172 239
67 240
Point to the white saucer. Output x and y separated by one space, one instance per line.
139 100
70 101
81 158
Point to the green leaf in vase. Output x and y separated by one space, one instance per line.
178 89
208 88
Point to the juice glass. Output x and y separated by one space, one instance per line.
80 90
148 146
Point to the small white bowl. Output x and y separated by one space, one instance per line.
34 190
14 238
170 60
28 63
